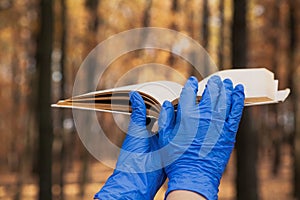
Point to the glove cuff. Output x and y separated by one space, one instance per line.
122 185
201 184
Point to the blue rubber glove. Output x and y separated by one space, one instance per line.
138 174
197 141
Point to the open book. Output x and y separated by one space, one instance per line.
259 84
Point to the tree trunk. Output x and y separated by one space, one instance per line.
43 60
146 23
246 180
93 22
295 76
247 144
147 13
174 26
221 36
18 156
63 158
205 27
275 130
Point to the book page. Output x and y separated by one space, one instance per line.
159 90
259 85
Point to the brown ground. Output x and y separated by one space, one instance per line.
270 187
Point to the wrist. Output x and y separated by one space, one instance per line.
184 194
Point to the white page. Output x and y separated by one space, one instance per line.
257 82
159 90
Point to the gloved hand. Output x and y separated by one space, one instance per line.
138 174
197 140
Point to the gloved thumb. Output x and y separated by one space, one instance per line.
166 117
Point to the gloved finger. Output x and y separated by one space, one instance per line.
187 98
213 113
217 93
166 117
213 91
138 115
205 102
189 92
238 98
228 88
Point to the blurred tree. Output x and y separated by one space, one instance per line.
91 35
276 129
63 13
205 22
174 26
221 36
294 78
205 32
19 161
175 9
92 8
146 23
246 182
43 62
147 13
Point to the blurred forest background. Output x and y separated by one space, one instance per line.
44 42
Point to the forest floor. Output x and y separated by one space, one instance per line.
270 186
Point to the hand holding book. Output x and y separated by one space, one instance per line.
199 133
